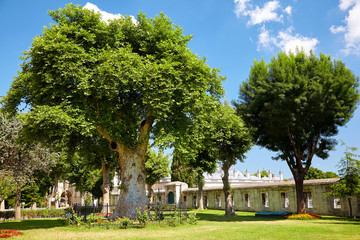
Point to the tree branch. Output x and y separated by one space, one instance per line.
312 152
103 133
293 143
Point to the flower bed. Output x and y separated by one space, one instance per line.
9 233
306 216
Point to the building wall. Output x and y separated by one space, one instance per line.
316 202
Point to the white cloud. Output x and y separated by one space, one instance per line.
351 29
286 41
105 15
265 40
288 10
257 14
240 6
345 4
337 29
272 11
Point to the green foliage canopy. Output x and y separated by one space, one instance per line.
83 74
157 166
315 173
295 104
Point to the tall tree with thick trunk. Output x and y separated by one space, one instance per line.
127 80
295 104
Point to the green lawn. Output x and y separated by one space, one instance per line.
212 224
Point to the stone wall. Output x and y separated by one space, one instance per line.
277 197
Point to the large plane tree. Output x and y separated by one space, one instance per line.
295 105
127 80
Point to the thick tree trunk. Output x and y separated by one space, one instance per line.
48 200
200 194
299 177
2 205
350 208
105 169
228 202
133 187
150 194
17 202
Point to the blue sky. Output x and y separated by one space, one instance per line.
229 33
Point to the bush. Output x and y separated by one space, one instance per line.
142 217
40 213
125 223
192 219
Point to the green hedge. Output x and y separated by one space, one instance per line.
40 213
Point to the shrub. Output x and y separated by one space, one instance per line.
125 222
142 217
39 213
192 218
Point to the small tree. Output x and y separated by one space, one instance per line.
20 159
231 140
7 185
157 167
349 183
263 173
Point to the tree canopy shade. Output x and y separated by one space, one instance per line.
126 80
295 104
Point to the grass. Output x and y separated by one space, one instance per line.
212 224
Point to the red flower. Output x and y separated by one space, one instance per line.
9 233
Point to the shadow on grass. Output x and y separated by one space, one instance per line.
32 224
339 220
240 217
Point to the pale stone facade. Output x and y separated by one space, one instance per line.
275 196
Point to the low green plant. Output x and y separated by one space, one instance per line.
192 218
142 217
125 223
73 219
91 218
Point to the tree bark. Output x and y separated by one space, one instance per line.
55 192
105 169
226 188
133 187
2 205
299 177
150 194
48 200
200 194
18 202
350 208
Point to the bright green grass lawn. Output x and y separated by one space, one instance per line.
212 224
